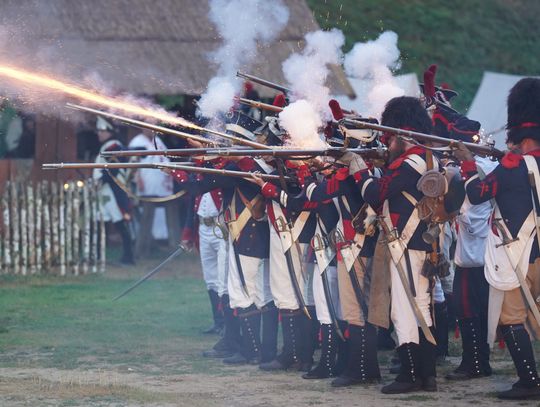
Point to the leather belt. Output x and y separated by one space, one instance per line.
208 221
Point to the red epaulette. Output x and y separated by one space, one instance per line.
511 160
398 161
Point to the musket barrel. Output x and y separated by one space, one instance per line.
141 124
263 82
173 166
260 105
224 152
167 130
476 148
107 166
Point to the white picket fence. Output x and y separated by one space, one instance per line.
51 228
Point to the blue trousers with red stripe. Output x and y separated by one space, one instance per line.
471 292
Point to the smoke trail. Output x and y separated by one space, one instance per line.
374 61
241 24
306 73
29 42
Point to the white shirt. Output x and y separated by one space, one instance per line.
473 226
152 182
207 207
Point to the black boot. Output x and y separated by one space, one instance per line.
427 357
306 342
475 356
408 379
270 322
217 314
290 355
326 365
229 343
250 323
362 366
385 340
520 347
315 329
342 350
441 330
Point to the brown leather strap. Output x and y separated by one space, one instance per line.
429 160
252 205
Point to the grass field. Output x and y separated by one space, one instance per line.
64 342
464 37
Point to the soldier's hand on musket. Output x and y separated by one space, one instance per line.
167 170
195 143
256 179
354 161
462 153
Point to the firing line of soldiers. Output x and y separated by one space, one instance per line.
341 247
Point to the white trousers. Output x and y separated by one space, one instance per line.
257 279
280 280
213 252
402 314
321 304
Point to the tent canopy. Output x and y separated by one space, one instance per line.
489 104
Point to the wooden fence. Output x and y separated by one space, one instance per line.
51 228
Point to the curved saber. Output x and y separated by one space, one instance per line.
179 250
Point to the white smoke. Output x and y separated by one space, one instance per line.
374 61
242 24
306 73
302 121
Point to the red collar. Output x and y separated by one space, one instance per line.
398 161
512 160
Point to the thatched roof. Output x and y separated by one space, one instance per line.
150 46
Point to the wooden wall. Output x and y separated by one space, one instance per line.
55 142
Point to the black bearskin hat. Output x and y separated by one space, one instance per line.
241 125
524 111
406 112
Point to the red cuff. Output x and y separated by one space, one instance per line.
468 169
179 175
269 190
342 174
246 164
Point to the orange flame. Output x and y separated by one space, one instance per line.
56 85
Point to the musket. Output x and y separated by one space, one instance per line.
172 166
452 144
271 85
259 105
373 153
167 130
263 82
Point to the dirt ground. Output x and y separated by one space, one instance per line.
102 384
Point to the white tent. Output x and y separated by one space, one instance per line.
407 82
489 104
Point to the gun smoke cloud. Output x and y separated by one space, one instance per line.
306 72
374 61
243 25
